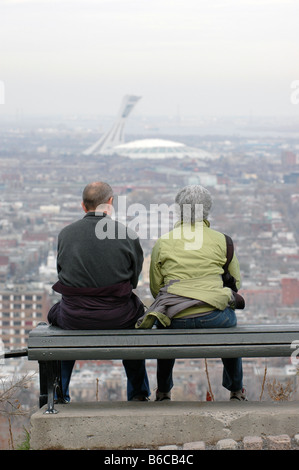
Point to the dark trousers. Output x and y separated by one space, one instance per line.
232 378
137 380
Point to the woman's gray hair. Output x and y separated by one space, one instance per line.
193 203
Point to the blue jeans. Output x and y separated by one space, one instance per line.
137 380
232 367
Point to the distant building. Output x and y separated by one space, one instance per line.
115 135
290 291
158 149
21 308
291 178
112 142
4 268
288 158
261 296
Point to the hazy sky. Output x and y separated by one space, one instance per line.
205 57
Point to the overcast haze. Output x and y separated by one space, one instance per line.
225 57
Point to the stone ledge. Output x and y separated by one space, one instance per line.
125 425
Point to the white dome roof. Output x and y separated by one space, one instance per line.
150 143
158 149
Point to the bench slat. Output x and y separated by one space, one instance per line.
187 352
179 340
55 331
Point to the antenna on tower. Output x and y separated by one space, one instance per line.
115 136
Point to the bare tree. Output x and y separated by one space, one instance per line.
10 406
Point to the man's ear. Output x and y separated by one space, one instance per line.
83 207
108 206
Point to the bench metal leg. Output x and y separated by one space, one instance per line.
50 384
43 389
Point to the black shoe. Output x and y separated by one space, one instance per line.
161 396
139 398
63 401
240 395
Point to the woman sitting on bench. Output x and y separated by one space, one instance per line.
187 284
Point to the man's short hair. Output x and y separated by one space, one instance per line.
95 194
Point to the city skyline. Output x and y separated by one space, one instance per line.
254 183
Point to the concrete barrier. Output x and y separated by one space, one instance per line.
127 425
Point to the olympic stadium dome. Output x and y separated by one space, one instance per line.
112 142
158 149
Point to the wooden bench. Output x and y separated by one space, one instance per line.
50 345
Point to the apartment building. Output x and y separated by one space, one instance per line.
21 308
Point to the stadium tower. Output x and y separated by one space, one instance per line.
115 136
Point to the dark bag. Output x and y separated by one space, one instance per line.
228 279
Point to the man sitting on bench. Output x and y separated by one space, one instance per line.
97 270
